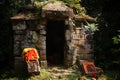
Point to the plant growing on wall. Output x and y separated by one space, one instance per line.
74 4
93 27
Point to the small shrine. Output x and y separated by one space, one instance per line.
53 33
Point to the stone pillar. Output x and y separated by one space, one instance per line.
42 43
19 31
68 54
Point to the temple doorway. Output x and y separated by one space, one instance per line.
55 39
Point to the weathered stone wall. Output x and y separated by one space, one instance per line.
83 43
67 54
77 43
19 31
24 36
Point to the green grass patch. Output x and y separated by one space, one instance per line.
45 75
12 75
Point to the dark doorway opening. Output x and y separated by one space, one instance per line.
55 39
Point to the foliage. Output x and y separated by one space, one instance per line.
78 9
45 75
93 27
75 4
106 40
39 4
116 39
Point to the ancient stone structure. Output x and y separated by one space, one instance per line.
53 35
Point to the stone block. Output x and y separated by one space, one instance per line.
42 38
42 56
20 25
81 42
33 66
43 63
32 24
86 56
81 50
18 37
20 32
42 51
19 64
17 48
68 35
43 32
39 27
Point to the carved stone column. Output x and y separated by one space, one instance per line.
68 54
42 43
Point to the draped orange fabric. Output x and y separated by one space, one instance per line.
89 67
30 54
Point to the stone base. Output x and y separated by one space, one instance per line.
33 66
43 64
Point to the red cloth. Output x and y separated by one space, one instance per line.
94 75
31 55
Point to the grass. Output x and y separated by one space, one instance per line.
12 75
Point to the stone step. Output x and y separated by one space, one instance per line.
57 72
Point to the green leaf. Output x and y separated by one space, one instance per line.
93 26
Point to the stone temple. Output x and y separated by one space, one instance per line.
53 33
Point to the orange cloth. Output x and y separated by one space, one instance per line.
30 54
89 67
